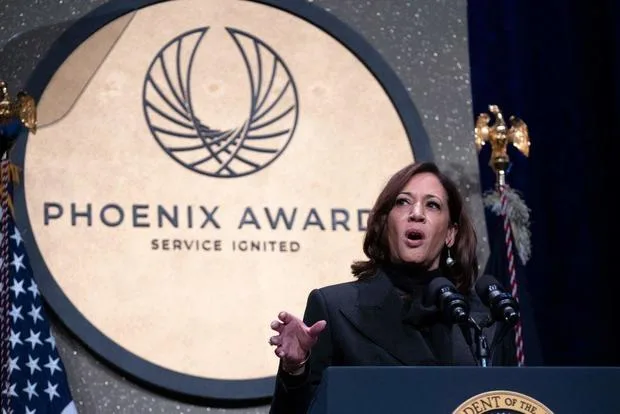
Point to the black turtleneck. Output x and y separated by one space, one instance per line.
419 312
411 283
409 279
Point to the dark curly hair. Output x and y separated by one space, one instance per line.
463 272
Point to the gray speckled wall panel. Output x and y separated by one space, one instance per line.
425 41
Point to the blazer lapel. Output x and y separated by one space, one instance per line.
378 316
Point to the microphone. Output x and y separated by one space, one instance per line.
504 308
450 302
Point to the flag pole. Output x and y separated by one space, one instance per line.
499 136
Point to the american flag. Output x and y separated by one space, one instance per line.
33 376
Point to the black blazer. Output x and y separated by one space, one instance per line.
365 327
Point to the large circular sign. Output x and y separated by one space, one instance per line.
199 166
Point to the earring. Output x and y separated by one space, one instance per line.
449 259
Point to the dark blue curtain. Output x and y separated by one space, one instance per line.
556 65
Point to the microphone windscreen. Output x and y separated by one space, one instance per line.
484 285
434 287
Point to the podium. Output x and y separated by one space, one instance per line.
468 390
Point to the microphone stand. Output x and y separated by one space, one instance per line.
483 353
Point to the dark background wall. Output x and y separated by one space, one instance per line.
555 64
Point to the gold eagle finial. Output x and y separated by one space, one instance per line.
499 136
22 108
14 115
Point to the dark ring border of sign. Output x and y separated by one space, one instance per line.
193 389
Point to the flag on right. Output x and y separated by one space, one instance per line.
508 218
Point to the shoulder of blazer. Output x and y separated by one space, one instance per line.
340 293
372 290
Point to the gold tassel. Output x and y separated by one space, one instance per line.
14 173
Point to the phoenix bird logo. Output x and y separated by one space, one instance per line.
200 145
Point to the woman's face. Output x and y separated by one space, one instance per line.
418 226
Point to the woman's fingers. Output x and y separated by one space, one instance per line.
275 340
285 317
317 328
294 338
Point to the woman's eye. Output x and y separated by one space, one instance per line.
401 201
434 205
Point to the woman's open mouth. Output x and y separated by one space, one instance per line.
414 238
